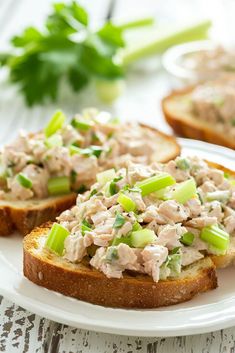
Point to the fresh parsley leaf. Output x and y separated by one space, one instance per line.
119 221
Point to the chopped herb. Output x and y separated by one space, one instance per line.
200 198
119 221
174 251
113 188
93 192
112 254
183 164
85 227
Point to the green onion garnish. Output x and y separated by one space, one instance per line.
58 185
111 254
24 181
155 183
182 163
81 124
55 123
187 238
126 202
215 236
136 226
54 141
119 221
56 238
106 176
143 237
184 191
125 240
74 150
85 227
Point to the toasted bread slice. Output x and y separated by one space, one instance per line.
176 108
83 282
26 215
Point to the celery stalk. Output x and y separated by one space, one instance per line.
162 42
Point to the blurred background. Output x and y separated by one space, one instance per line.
146 82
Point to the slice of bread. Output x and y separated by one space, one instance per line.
177 111
83 282
23 216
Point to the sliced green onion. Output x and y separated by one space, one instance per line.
56 238
155 183
54 141
106 176
184 191
74 150
136 226
124 240
219 195
55 123
111 254
126 202
187 238
24 181
113 188
82 188
58 185
96 150
85 227
82 124
119 221
182 163
215 236
143 237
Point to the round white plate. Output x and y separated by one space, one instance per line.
206 312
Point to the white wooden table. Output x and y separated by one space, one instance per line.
20 330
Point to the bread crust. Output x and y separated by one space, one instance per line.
83 282
25 217
185 124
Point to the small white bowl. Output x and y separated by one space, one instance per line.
172 60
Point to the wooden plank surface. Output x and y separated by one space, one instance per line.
20 330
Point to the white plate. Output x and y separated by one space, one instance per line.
206 312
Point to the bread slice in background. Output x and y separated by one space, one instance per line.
177 111
23 216
134 290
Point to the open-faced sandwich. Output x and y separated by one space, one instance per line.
142 236
204 112
42 172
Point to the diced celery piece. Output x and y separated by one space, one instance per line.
155 183
58 185
184 191
55 123
74 150
219 195
54 141
56 237
122 240
187 238
215 236
163 194
143 237
126 202
106 176
24 181
82 124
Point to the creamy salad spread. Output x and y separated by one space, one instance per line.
210 64
153 220
214 102
66 157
